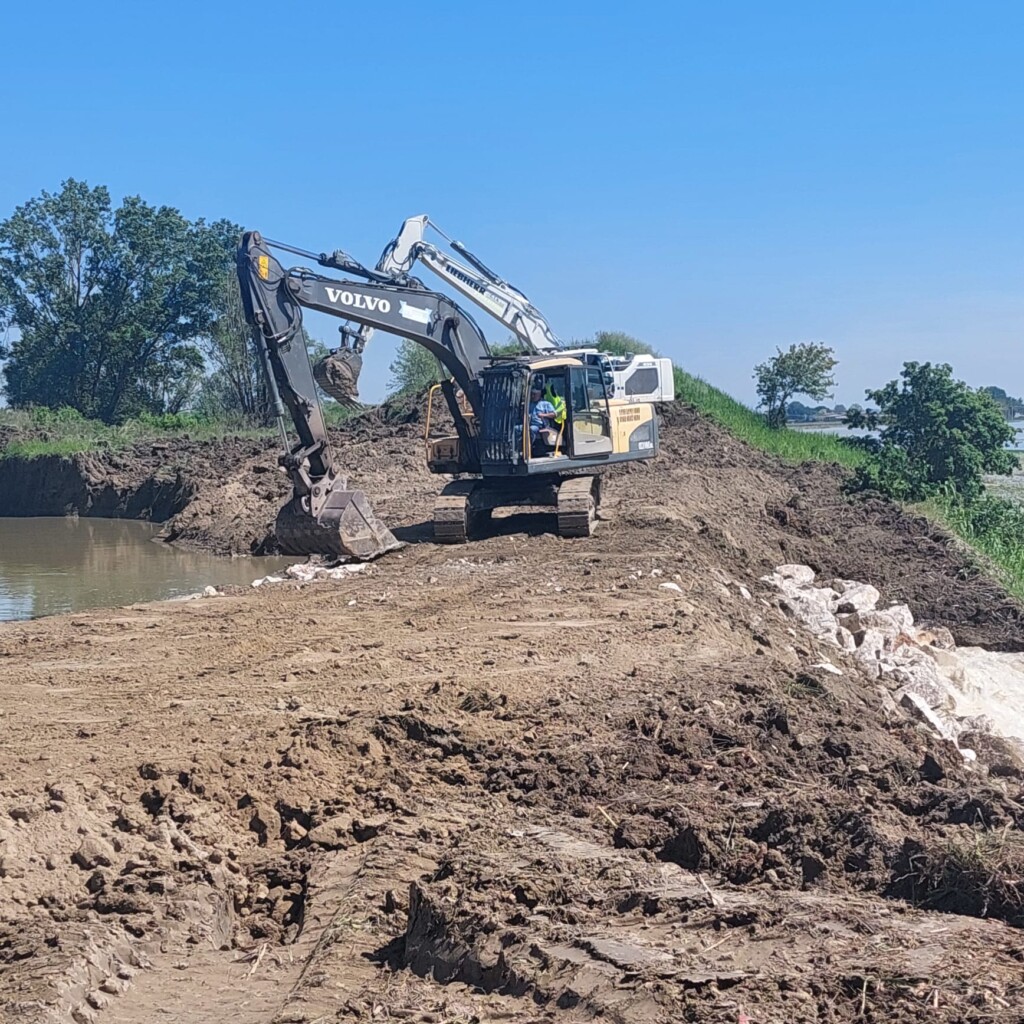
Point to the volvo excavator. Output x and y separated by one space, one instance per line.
636 378
498 458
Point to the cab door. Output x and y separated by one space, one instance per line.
589 420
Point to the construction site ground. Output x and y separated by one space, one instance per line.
520 780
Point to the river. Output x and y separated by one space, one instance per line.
841 430
62 565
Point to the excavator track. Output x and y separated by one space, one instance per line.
452 514
577 506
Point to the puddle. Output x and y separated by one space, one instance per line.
49 566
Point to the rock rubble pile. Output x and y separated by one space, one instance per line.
954 691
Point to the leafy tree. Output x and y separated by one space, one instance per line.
236 385
414 369
108 303
804 369
618 343
936 433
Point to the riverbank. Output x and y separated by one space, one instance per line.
526 776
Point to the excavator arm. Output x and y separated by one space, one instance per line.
324 516
473 279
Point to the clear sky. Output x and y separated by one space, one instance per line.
717 178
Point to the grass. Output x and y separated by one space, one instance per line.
63 432
792 445
998 537
994 529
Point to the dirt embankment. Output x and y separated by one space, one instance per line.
519 780
224 495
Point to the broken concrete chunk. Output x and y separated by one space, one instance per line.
919 709
827 666
845 639
936 636
855 597
928 687
801 575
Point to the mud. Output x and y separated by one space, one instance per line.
521 780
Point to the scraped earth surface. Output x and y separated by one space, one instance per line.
519 780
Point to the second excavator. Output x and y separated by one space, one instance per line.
505 451
635 378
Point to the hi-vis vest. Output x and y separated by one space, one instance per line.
559 403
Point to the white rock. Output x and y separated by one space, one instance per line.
845 639
799 574
918 707
210 592
903 616
871 645
968 755
670 586
827 666
891 625
855 597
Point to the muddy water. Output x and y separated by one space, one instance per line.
60 565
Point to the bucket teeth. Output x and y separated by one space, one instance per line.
345 528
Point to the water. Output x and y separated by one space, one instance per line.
841 430
62 565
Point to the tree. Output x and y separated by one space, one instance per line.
108 303
804 369
618 343
935 432
236 384
414 369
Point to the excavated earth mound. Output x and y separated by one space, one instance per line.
528 779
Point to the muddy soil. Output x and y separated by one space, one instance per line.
521 780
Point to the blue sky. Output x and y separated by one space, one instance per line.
715 178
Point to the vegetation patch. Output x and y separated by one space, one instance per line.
752 427
39 431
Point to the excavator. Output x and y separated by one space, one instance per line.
497 456
634 378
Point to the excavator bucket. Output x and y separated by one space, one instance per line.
338 375
345 528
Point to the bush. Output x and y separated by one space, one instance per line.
935 432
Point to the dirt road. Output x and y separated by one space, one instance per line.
522 780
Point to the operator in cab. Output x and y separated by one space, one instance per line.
542 419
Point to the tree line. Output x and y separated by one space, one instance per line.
133 310
122 311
